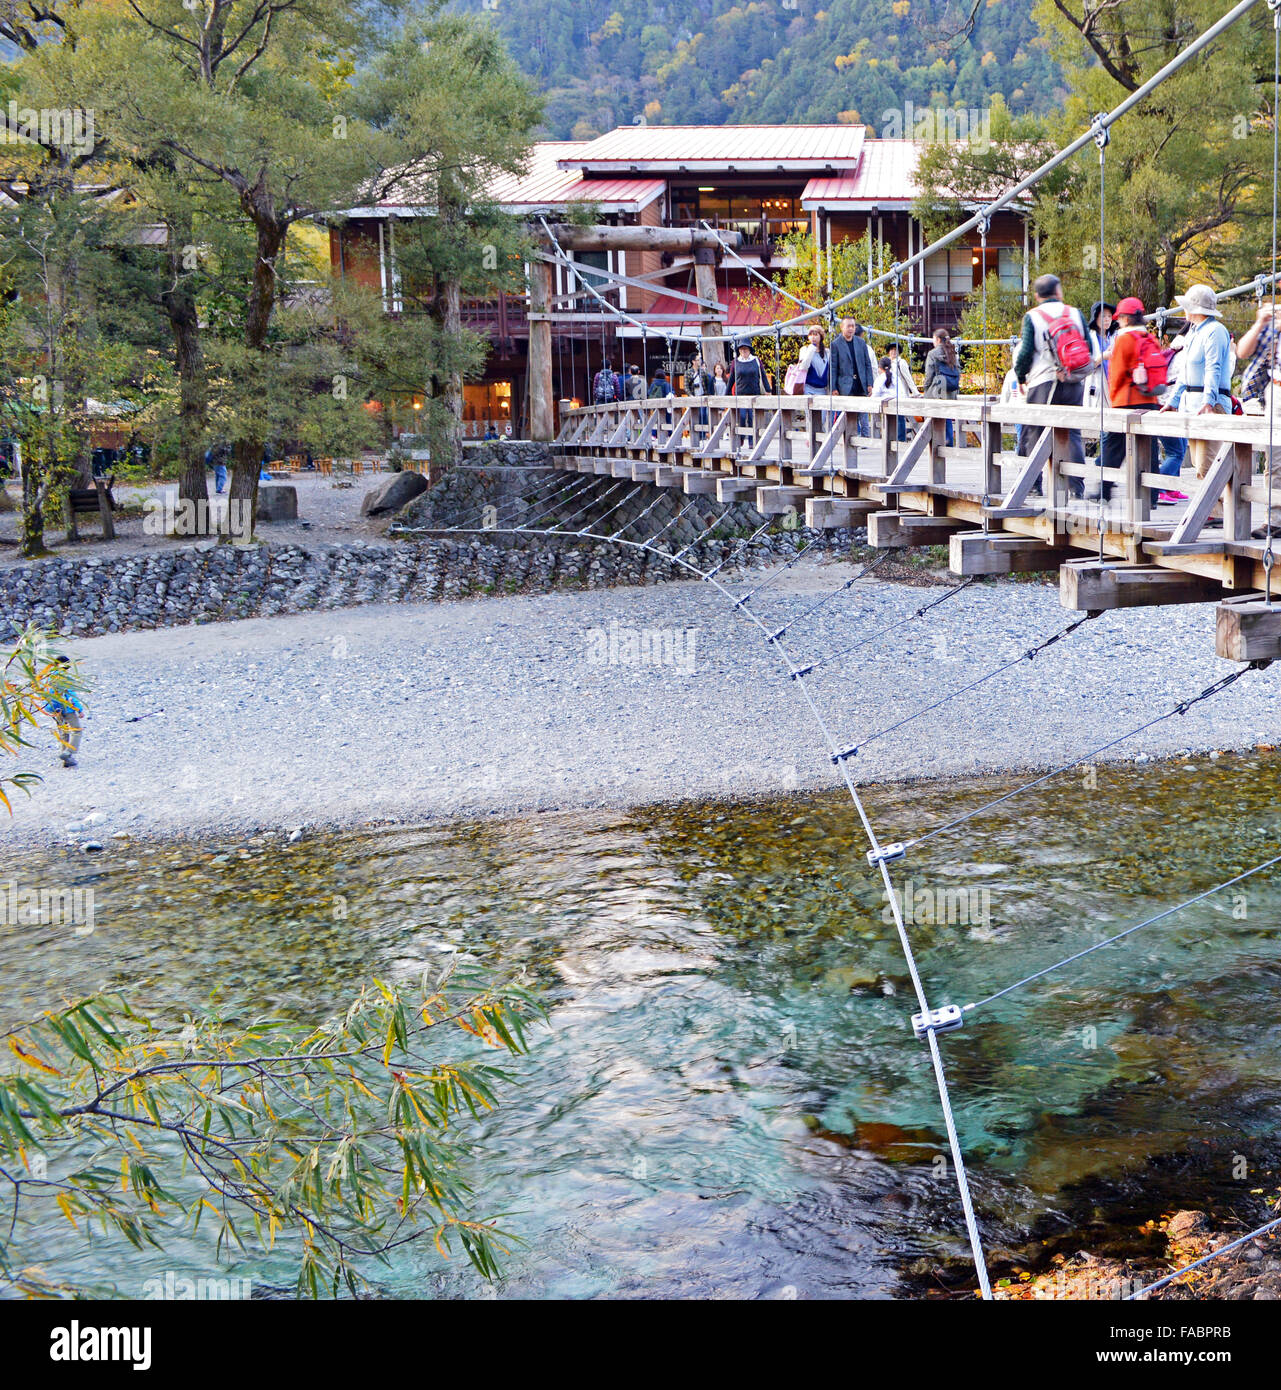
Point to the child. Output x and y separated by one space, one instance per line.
66 710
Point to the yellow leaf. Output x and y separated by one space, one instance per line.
16 1048
65 1203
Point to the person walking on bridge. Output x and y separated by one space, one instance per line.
853 371
1205 377
1053 361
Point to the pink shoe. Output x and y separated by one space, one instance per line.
1173 497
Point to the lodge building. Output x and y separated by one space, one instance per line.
760 181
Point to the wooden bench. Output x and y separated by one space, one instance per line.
83 501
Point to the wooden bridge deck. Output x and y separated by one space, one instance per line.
997 511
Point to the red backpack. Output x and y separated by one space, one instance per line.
1152 370
1068 344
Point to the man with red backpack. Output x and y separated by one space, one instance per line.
1136 378
1052 362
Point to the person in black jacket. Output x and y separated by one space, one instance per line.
852 367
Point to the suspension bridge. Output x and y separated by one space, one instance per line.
998 510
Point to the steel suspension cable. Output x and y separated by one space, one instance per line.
1029 655
1133 99
1205 1259
1181 708
1121 935
952 591
1269 554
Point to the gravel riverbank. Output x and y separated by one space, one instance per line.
611 697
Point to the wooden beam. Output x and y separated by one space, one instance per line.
897 530
699 484
727 488
1246 629
541 394
1086 584
979 552
826 513
601 238
779 500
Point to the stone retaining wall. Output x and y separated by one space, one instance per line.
213 582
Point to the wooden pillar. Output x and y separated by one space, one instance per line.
713 325
540 351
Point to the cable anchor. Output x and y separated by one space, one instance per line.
886 853
1102 137
945 1020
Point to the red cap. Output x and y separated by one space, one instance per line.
1130 306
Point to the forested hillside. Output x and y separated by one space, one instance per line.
603 63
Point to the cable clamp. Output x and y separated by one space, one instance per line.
845 753
984 226
886 853
802 671
945 1020
1101 135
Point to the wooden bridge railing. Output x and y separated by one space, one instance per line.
795 450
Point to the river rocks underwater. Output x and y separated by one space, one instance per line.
727 1099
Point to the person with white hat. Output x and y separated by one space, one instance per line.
1205 374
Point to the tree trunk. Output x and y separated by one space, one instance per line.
262 302
452 319
193 390
32 542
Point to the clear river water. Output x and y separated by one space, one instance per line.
727 1099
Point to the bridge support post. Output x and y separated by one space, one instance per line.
540 351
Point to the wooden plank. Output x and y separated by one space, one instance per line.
1030 473
910 456
767 437
1106 584
718 433
643 472
1246 629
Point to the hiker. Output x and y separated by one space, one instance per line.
1053 360
720 380
1262 383
635 384
1136 375
943 372
748 377
884 387
604 385
852 366
1205 373
660 386
67 710
698 384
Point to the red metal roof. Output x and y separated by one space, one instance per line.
547 183
886 174
742 309
697 148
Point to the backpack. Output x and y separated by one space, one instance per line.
1152 370
1068 345
604 388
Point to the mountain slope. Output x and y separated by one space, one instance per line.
604 63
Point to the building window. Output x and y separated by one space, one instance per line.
950 272
1009 267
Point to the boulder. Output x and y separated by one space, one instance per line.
277 502
393 494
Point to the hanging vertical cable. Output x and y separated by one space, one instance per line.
1101 138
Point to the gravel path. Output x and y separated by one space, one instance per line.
500 704
327 515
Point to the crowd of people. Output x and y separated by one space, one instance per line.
1059 358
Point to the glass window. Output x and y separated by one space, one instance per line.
950 271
